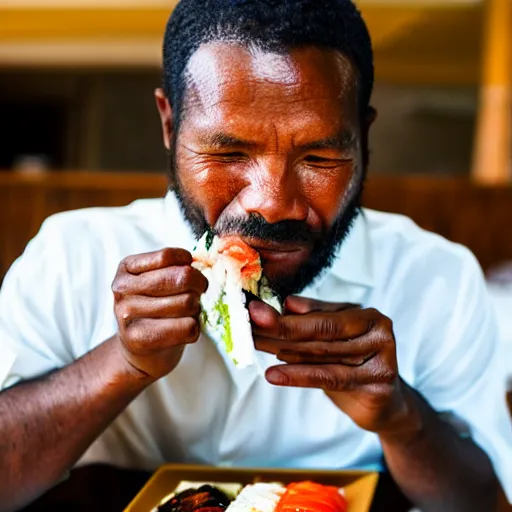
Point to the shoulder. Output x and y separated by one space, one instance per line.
142 218
81 249
405 253
434 290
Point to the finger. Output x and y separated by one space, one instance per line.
263 315
149 335
163 282
344 325
303 358
329 377
302 305
135 307
168 257
323 351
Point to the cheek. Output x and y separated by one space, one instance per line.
212 186
326 193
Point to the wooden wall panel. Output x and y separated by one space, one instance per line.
478 217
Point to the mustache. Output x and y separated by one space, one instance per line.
255 226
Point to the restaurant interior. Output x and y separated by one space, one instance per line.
78 125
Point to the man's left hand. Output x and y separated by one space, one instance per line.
347 351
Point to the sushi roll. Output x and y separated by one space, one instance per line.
205 498
231 490
312 497
259 497
232 268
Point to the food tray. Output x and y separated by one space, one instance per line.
359 485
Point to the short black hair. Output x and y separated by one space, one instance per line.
272 25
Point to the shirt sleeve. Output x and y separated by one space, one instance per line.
462 372
37 313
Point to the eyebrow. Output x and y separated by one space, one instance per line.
344 141
222 140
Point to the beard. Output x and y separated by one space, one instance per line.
325 246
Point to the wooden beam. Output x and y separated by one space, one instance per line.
131 53
493 144
64 25
422 42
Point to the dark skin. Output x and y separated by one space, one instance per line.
278 136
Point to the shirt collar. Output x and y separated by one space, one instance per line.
178 232
353 263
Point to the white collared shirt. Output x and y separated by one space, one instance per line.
56 304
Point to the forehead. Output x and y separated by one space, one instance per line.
225 81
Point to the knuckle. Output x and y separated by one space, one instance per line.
378 391
163 257
327 379
135 340
386 334
387 376
125 263
190 330
191 304
377 318
327 329
383 375
120 286
386 323
183 276
284 331
125 312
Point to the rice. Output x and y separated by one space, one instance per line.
260 497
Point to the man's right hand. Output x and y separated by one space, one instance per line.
157 308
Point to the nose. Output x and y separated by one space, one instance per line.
275 193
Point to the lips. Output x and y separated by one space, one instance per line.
275 247
285 259
275 256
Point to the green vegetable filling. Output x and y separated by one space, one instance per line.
209 239
203 318
225 321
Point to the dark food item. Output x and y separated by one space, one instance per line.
204 499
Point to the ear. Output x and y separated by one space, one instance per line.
166 117
371 116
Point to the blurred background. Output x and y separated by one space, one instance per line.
77 78
78 125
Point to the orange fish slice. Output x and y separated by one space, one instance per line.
247 257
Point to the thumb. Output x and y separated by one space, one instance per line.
263 315
303 306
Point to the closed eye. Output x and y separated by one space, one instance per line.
320 161
229 156
317 159
234 154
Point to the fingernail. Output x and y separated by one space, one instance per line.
277 377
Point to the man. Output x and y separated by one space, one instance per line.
265 114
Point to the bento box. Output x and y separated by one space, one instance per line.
358 486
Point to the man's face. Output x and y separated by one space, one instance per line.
269 149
